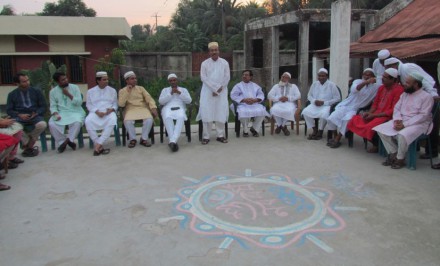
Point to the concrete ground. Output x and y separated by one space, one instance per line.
272 200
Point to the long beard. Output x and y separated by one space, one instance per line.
410 90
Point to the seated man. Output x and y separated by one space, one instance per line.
248 95
138 104
66 109
322 94
102 103
284 96
411 118
405 69
7 144
174 100
381 110
378 64
362 92
14 129
27 106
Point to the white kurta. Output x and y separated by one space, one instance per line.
244 90
346 109
327 92
100 100
415 112
286 109
405 71
214 75
379 69
168 101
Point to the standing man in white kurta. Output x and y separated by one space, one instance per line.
378 64
284 96
66 109
362 93
322 94
249 96
102 103
411 118
174 100
215 75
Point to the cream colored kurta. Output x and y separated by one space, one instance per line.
137 103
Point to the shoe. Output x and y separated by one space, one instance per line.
72 145
12 165
145 142
335 145
254 132
16 160
176 147
63 146
426 156
286 131
171 145
30 152
278 130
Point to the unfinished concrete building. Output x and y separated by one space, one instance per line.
308 30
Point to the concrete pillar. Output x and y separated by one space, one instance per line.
275 55
340 44
317 63
355 63
303 57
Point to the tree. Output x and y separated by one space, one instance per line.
191 38
110 64
141 32
7 10
68 8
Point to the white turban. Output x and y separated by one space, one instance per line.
416 76
391 61
323 70
172 75
101 74
287 74
129 74
392 72
212 45
383 54
369 69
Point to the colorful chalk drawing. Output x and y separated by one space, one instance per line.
269 210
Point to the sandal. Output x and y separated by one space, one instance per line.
4 187
335 145
2 177
104 151
436 166
132 143
205 141
245 135
145 142
223 140
30 152
16 161
398 164
311 136
253 131
373 150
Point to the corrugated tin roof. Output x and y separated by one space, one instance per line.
400 49
418 19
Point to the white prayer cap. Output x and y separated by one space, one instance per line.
129 74
392 72
370 70
323 70
416 76
172 75
287 74
391 61
383 54
212 45
101 74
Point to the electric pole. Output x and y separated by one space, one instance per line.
155 25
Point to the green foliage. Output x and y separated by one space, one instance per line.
68 8
7 10
109 63
41 78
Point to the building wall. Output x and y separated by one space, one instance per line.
24 43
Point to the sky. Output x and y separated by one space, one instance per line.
135 11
